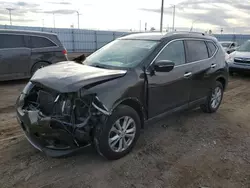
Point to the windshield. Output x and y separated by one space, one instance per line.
225 44
244 47
121 53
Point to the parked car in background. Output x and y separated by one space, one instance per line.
239 60
23 52
118 89
229 46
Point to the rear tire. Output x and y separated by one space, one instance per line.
37 66
117 138
214 99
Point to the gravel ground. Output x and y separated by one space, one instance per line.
188 149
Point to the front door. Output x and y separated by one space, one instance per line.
169 90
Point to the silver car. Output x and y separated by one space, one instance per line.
239 60
229 46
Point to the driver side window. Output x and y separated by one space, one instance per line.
174 52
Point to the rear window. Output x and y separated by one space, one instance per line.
11 41
41 42
211 48
197 50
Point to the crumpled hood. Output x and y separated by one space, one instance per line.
69 76
240 54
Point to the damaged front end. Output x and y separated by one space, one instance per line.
59 123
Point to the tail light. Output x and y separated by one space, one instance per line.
64 52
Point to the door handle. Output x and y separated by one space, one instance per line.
213 66
188 74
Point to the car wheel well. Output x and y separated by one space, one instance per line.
31 70
137 107
222 81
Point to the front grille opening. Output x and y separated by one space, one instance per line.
40 99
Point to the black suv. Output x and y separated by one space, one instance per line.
107 100
23 52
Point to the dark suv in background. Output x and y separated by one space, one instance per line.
125 84
23 52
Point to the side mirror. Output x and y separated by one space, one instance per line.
163 66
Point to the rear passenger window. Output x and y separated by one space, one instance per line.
211 48
41 42
174 52
197 50
11 41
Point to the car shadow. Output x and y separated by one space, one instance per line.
241 75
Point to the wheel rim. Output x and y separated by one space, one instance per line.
122 134
216 97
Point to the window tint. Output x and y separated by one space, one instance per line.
11 41
197 50
174 52
41 42
211 48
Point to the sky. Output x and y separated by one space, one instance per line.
232 16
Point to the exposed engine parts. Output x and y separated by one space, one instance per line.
65 119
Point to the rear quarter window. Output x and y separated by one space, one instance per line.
11 41
41 42
211 48
196 50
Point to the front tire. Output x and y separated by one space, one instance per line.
214 99
119 134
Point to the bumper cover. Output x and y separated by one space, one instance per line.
239 66
44 136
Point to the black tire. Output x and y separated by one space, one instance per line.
101 140
37 66
208 107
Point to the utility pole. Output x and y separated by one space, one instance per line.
173 17
78 19
145 26
54 20
10 9
140 26
162 9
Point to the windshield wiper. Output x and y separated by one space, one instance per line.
100 66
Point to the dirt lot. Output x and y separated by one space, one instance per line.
190 149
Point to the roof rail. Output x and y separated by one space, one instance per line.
188 32
197 32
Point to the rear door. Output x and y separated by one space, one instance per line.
14 55
43 49
200 57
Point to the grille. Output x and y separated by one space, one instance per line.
242 60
